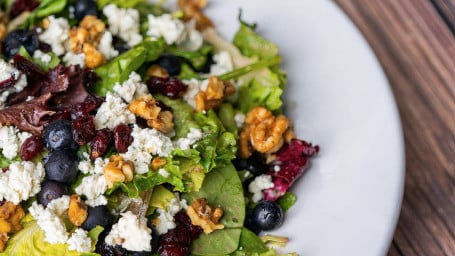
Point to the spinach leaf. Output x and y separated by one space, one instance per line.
250 244
222 186
119 69
197 58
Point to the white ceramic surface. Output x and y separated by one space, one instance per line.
339 98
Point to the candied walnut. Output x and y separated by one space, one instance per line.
77 211
94 26
145 107
86 37
163 123
157 162
10 216
263 132
201 214
148 108
118 170
3 239
157 71
93 57
192 10
214 94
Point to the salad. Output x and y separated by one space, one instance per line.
130 129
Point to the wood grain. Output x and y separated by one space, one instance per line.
415 43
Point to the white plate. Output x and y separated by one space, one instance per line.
338 96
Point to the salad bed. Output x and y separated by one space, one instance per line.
127 129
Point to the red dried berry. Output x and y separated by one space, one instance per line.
100 143
31 147
179 235
183 218
83 129
122 137
173 250
85 107
171 87
20 6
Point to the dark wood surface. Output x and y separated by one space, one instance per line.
414 41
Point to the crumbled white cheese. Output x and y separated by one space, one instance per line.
86 166
42 56
192 137
93 188
113 112
6 72
11 140
59 205
72 58
223 63
105 46
132 88
50 222
260 183
56 34
193 39
131 232
80 241
21 181
123 22
166 26
166 217
239 119
194 86
276 168
163 173
147 142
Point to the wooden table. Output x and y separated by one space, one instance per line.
415 43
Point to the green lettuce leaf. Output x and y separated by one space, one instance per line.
45 8
119 69
252 44
219 146
287 200
30 241
5 162
224 241
265 89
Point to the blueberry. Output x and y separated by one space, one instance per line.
171 63
267 215
58 135
62 166
16 38
254 164
51 190
83 8
98 215
120 45
250 222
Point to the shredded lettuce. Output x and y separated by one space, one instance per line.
251 44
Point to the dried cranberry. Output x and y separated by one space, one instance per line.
171 87
20 6
83 129
122 137
173 250
100 143
183 218
31 147
179 235
85 107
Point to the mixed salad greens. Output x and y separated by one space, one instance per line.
129 129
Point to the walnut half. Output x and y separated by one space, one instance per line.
201 214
